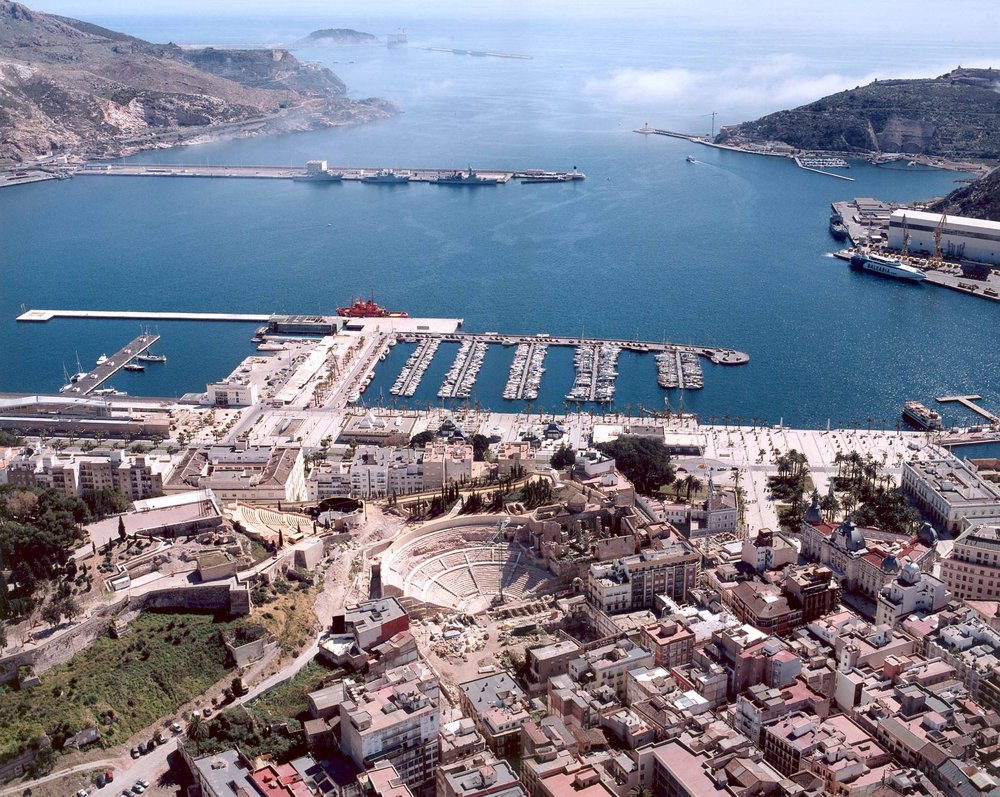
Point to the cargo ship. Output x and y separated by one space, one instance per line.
886 267
837 228
921 416
367 308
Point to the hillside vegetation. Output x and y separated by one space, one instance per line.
70 86
955 115
119 685
980 200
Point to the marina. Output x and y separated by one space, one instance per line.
87 382
461 378
332 175
408 381
596 372
526 371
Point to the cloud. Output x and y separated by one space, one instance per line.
782 80
646 85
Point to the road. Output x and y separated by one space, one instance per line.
154 765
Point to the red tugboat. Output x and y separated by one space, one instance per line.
366 308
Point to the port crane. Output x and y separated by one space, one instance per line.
937 237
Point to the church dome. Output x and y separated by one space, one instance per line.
850 538
927 535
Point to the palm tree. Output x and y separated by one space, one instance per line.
197 729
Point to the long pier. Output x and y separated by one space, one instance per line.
41 316
346 173
655 131
103 372
969 403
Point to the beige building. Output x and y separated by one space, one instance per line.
861 565
972 569
447 463
254 474
631 582
950 493
136 476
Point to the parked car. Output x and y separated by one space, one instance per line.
101 780
110 775
143 748
175 727
135 752
143 782
82 793
137 789
207 711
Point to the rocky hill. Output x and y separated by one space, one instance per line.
68 86
955 115
980 200
330 37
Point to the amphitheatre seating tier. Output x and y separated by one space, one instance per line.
269 524
456 567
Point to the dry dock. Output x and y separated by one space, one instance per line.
103 372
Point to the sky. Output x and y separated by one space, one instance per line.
840 16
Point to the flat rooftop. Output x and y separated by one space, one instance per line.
956 482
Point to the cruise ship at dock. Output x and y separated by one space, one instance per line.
886 267
921 416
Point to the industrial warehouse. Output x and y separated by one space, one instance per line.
971 239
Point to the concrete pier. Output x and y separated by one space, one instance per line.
347 173
969 403
41 316
103 372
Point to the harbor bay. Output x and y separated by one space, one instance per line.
731 251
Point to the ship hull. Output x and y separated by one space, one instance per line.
918 422
889 269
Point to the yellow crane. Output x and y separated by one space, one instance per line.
937 237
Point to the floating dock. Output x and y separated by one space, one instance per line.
461 377
408 381
103 372
347 173
526 371
714 354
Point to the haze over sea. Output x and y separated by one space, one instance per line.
731 251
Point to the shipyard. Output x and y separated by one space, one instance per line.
914 245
